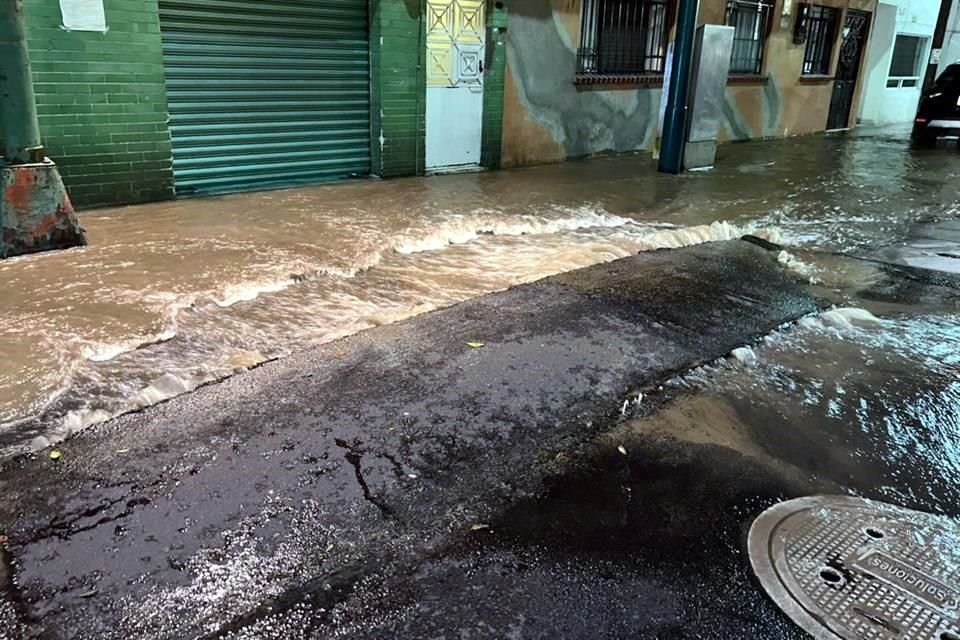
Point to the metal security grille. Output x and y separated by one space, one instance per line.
266 93
623 37
751 24
821 32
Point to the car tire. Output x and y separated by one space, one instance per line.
925 138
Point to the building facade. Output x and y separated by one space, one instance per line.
900 45
563 99
181 97
951 41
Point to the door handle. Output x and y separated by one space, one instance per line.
481 66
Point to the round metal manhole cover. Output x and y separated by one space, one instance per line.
855 569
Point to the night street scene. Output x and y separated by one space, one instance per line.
479 319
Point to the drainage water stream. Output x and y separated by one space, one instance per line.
171 295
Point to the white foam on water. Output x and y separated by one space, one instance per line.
842 318
247 291
460 229
715 232
744 355
163 388
106 351
798 267
838 321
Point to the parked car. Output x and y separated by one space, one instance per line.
939 111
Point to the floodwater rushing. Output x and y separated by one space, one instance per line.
171 295
870 403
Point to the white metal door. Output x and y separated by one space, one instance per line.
455 47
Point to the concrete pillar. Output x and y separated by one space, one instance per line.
35 210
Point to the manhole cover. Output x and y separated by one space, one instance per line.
856 569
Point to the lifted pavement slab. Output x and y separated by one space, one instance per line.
290 485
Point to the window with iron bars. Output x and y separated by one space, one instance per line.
751 26
623 37
821 32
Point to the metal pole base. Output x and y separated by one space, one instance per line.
35 211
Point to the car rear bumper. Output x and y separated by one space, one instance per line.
944 124
937 127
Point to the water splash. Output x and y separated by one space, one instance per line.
210 337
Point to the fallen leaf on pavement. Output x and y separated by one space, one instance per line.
55 455
479 527
475 345
622 449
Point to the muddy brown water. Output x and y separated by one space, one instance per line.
171 295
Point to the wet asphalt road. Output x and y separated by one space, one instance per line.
400 483
302 485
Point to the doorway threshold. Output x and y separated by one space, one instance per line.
460 168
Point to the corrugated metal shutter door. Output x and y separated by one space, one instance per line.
266 92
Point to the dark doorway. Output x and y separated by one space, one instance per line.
855 29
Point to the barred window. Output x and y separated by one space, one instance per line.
751 23
623 37
821 32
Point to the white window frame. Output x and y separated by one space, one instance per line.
910 83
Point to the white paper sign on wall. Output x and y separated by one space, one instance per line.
83 15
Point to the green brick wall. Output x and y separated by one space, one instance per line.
103 107
496 56
102 103
398 97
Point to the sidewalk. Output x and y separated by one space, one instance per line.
293 484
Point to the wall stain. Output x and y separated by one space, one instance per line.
542 66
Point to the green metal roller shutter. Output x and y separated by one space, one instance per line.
266 92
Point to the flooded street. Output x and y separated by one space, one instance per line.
171 295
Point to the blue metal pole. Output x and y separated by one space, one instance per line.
675 117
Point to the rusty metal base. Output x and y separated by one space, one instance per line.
35 211
850 569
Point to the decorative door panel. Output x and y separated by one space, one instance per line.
455 35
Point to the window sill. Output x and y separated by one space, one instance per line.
618 79
815 79
747 78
